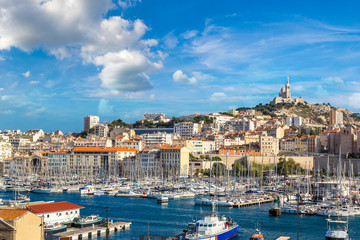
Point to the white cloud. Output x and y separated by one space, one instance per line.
196 78
105 108
152 96
2 89
2 58
181 77
127 3
190 34
26 74
82 31
34 82
126 70
331 80
222 97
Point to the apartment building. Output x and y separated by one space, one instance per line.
187 129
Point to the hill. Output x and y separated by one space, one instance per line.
311 113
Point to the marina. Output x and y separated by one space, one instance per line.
144 213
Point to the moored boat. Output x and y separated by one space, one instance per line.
214 227
55 228
337 230
82 221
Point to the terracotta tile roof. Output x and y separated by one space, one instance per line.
164 146
12 214
53 207
102 149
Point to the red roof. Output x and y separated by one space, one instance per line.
53 207
102 149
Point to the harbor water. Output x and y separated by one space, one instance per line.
170 219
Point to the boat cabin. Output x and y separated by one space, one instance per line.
210 225
337 230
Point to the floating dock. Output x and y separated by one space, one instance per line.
240 205
92 231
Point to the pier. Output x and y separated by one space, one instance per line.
93 231
247 204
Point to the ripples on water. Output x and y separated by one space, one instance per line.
171 219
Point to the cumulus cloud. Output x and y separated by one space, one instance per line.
126 70
34 82
181 77
26 74
197 77
105 108
83 30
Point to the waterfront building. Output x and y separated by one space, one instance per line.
58 162
91 121
145 164
91 162
20 224
56 212
174 160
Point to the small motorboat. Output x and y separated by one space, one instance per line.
337 230
55 228
82 221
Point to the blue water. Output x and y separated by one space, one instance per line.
171 219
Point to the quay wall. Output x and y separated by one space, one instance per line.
306 162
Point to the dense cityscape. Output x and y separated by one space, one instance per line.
179 120
238 158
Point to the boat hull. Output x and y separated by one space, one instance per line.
86 224
232 232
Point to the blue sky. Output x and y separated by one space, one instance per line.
61 60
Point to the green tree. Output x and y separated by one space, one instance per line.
218 169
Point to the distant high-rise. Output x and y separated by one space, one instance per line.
336 119
91 121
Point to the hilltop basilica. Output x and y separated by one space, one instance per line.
285 95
